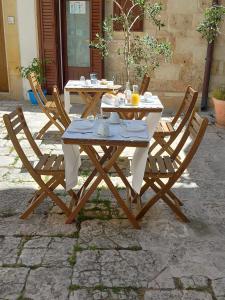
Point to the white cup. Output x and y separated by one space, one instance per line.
88 82
147 94
103 129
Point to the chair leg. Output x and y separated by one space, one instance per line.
43 130
173 206
162 193
47 190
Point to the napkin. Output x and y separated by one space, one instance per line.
72 164
139 160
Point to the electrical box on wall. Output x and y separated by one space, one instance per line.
11 19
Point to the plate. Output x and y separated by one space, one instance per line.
80 125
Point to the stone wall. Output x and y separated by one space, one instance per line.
181 18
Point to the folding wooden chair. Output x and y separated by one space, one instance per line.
144 84
51 165
47 107
64 118
167 132
162 172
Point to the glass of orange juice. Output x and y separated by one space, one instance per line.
135 97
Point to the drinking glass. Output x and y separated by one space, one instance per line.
82 80
135 97
93 78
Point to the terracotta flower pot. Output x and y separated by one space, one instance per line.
219 112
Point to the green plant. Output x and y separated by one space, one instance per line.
210 26
219 93
36 66
140 54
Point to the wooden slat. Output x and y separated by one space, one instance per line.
57 163
62 167
168 163
192 132
16 121
161 164
153 166
48 165
170 127
198 118
19 128
164 126
42 162
13 114
195 124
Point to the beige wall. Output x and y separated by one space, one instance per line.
12 51
187 66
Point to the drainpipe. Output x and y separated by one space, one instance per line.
208 65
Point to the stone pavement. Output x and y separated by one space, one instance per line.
102 256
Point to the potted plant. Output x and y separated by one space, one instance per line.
140 54
218 97
35 66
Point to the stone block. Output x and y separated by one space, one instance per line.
181 6
12 281
218 286
185 45
168 72
110 268
8 250
180 22
163 295
48 283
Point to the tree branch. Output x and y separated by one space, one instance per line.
119 6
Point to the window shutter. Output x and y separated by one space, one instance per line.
139 25
48 41
96 24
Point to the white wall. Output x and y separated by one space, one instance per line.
28 36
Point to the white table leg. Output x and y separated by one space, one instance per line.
67 101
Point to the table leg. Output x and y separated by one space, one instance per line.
102 170
91 105
67 101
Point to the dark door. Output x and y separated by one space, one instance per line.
81 20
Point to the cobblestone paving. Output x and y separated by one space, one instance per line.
102 256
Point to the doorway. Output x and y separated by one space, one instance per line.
4 86
76 36
81 20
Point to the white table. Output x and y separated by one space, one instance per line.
90 94
129 111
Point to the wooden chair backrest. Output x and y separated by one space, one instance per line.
186 108
60 107
193 134
37 90
144 84
15 123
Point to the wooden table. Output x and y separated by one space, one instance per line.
112 146
91 95
134 112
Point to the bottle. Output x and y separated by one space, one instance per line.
127 93
135 97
